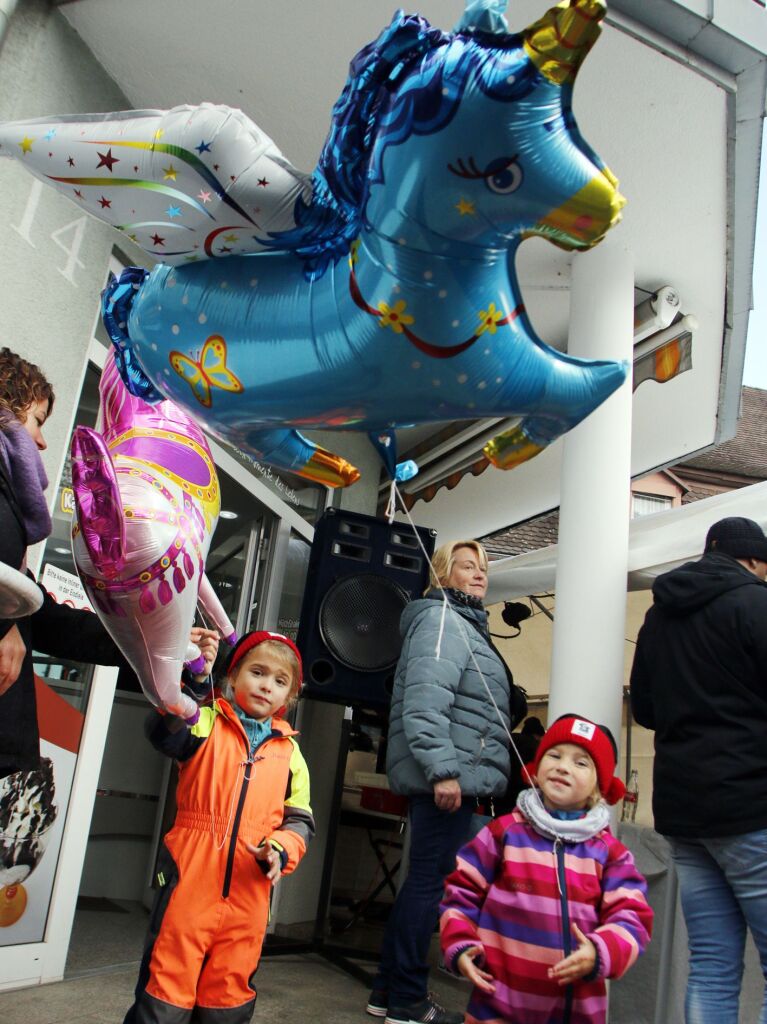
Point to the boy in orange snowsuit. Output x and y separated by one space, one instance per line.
243 820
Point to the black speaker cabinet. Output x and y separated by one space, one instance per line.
362 573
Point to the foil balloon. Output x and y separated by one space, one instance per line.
380 291
147 502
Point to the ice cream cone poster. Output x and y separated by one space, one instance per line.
33 810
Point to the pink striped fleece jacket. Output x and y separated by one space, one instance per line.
516 893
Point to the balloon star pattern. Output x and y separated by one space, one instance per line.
378 292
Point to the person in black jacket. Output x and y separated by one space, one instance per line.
699 680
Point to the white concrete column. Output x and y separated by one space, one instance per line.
590 608
7 7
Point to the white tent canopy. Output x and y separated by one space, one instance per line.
657 543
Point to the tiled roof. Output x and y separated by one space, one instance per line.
538 532
746 453
699 491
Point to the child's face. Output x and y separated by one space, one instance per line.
261 684
566 777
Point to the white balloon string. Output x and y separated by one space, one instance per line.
438 647
220 845
212 739
462 630
391 506
206 625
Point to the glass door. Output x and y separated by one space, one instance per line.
239 553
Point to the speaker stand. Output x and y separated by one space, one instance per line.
336 954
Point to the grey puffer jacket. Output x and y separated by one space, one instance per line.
442 723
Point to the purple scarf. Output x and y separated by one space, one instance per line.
26 473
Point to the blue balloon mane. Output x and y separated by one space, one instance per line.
408 81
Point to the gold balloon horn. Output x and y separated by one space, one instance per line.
559 42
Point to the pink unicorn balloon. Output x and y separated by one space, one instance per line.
147 503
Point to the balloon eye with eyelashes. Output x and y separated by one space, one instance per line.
502 175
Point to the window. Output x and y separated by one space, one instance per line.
649 504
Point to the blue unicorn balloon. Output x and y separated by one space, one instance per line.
380 291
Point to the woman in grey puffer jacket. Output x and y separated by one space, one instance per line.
447 749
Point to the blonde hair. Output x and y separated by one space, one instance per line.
445 558
282 654
595 798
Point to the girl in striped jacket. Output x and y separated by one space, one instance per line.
546 903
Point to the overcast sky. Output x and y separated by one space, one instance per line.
755 371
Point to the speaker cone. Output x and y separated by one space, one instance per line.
359 621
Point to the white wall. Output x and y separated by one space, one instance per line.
53 260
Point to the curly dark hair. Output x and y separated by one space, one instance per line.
21 384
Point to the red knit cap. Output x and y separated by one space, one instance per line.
251 640
596 740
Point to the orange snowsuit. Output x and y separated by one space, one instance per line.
211 910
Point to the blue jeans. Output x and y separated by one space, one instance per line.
435 838
723 888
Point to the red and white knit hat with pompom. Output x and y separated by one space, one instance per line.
258 636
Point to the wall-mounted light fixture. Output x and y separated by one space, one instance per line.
655 313
686 325
666 354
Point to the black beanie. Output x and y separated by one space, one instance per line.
737 537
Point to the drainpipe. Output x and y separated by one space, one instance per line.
7 7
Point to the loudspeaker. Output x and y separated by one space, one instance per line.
362 572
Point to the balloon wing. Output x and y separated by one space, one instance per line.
187 184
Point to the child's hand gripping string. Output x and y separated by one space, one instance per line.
207 641
269 859
467 965
578 964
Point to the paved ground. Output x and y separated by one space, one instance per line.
103 964
302 990
108 938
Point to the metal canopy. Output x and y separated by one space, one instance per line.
657 544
